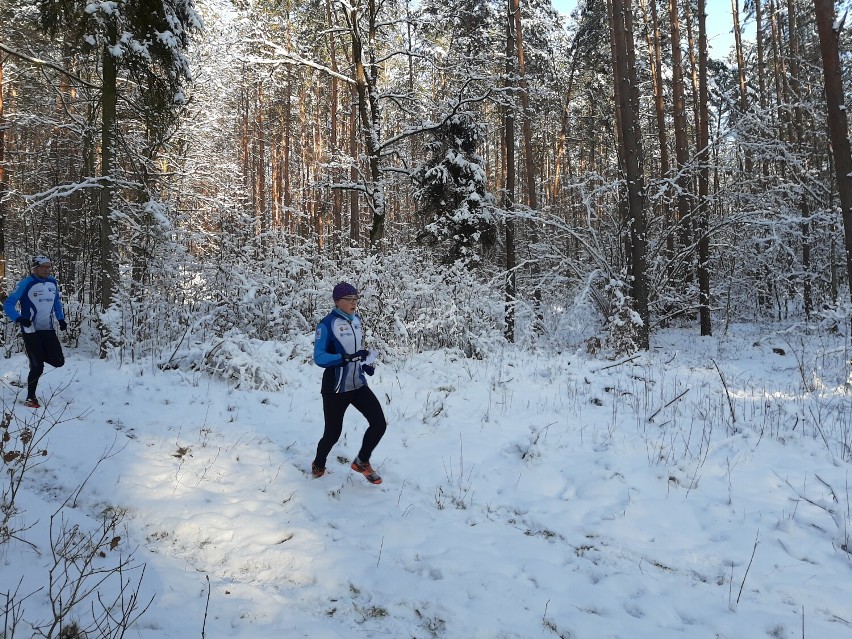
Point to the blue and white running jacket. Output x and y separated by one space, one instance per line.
339 333
39 298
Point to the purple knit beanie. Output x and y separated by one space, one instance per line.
343 289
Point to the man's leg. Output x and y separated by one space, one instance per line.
334 405
35 354
369 406
51 349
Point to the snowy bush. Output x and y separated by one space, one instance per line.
623 321
242 361
237 317
87 578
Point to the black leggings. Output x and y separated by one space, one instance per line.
41 347
334 405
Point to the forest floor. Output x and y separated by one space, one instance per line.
697 490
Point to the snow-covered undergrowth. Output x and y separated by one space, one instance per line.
698 490
197 315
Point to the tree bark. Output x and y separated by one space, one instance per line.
509 187
837 120
703 178
318 156
3 188
738 44
655 55
260 162
287 189
798 128
368 109
109 99
354 219
679 118
693 62
245 141
625 75
623 205
526 124
761 68
336 201
526 131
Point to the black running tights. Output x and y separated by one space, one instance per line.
41 347
334 405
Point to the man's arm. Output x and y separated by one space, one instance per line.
322 357
11 303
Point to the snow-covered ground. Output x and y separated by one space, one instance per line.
699 490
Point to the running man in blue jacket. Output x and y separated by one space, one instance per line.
339 349
38 296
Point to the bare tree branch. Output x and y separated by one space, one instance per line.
47 63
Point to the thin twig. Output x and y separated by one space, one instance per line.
624 361
830 488
753 551
47 63
664 406
727 394
206 608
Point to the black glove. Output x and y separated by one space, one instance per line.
63 325
360 356
368 368
24 321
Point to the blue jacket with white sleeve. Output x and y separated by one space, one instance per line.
337 334
39 299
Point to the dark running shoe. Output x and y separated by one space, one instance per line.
31 402
316 471
365 469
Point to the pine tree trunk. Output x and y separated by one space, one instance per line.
703 178
276 176
509 187
680 127
761 68
319 156
245 141
837 119
777 60
354 217
652 26
625 76
798 128
617 88
303 205
655 55
369 112
336 199
738 44
3 189
526 116
109 98
287 189
693 62
260 163
526 131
